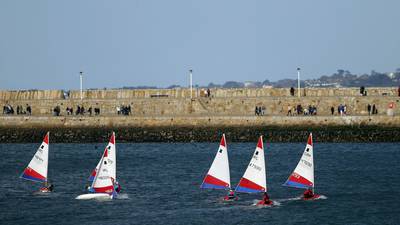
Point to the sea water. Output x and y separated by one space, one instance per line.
360 184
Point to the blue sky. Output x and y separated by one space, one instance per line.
44 44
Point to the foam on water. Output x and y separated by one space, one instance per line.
300 198
122 196
321 197
289 199
275 204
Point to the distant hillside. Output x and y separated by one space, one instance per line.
345 79
342 78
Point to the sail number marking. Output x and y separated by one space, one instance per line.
255 166
306 163
38 158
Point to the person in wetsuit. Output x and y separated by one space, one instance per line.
308 193
117 187
230 196
48 187
265 200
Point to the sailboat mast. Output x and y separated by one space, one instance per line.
313 168
47 172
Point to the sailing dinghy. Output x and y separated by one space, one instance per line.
254 179
112 161
303 175
218 176
102 186
37 168
104 174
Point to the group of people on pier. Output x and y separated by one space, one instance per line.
8 109
311 110
80 110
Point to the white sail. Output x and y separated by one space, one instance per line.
303 174
254 179
102 182
218 176
111 159
37 168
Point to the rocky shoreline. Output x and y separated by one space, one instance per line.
202 134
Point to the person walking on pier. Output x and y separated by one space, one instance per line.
369 109
291 91
28 109
289 111
374 110
362 90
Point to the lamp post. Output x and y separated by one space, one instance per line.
81 85
191 83
298 82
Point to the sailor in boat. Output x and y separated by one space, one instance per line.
265 200
89 189
231 196
308 194
47 188
117 187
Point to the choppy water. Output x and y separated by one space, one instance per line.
161 185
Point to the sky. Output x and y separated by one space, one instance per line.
116 43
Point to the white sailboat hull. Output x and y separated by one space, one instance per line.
100 196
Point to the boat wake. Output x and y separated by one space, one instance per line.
300 198
40 194
122 196
276 204
290 199
321 197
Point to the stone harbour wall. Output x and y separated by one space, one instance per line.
185 93
171 115
238 106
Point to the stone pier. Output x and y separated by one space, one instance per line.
171 115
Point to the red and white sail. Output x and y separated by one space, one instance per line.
111 159
303 174
102 182
94 171
37 168
218 176
254 179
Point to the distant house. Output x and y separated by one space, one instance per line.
250 84
267 86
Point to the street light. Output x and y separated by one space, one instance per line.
81 81
191 83
298 82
